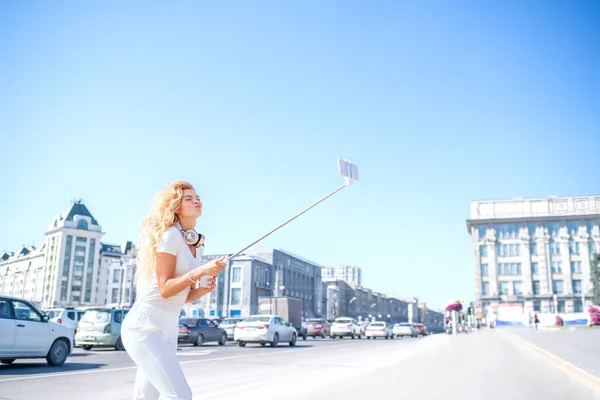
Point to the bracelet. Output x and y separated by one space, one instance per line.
189 277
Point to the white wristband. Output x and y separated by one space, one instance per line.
190 278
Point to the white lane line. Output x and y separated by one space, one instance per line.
24 378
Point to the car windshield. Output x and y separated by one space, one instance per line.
377 324
96 316
404 324
343 321
314 320
257 319
230 321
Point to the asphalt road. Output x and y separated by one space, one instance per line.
474 366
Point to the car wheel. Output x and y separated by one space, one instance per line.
8 361
119 345
86 347
241 344
59 351
199 340
275 341
293 341
223 340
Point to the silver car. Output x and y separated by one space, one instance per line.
229 324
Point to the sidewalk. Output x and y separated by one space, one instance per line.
580 346
475 366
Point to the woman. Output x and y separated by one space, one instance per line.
168 275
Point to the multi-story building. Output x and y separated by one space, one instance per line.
345 273
293 276
535 252
115 275
66 270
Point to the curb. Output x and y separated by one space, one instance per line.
574 372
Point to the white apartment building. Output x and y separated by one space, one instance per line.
71 267
536 252
344 273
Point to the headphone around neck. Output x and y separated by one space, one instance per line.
191 237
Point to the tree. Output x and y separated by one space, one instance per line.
595 278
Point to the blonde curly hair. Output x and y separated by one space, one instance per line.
161 217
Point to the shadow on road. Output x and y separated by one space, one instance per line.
32 368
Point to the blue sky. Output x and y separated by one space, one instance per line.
439 103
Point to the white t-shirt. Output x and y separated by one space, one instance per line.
172 242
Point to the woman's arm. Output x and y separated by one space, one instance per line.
195 294
168 286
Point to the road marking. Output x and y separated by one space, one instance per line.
195 353
24 378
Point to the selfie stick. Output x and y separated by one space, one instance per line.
350 173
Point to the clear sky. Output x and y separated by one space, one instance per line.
438 103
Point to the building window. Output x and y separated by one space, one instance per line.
577 286
235 274
503 288
533 249
578 305
590 227
485 288
573 247
236 297
507 231
483 251
508 250
115 296
531 227
554 247
518 288
482 232
535 268
556 267
558 287
536 287
537 306
553 229
573 227
592 248
576 267
484 270
509 269
82 224
561 306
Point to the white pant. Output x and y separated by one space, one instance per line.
159 375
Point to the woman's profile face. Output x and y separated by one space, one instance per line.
191 206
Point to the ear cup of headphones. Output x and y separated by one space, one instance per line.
193 238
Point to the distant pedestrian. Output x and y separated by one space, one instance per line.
536 320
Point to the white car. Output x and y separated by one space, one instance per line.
264 329
25 332
405 329
345 326
379 329
68 317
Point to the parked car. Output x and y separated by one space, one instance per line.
25 332
68 316
264 329
229 324
345 326
199 331
421 329
101 327
405 329
317 327
379 329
